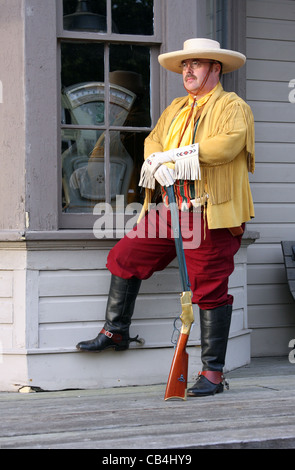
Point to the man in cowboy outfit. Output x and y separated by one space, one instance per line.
219 128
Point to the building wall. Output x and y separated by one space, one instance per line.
54 294
270 67
53 283
12 117
53 286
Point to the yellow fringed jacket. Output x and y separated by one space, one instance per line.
225 134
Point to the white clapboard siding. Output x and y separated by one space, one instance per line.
270 49
72 302
274 213
277 192
276 132
271 9
270 70
69 305
284 172
273 112
272 92
11 307
72 306
264 28
272 152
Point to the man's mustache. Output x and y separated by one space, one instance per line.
190 75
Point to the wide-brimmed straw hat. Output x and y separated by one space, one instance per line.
202 48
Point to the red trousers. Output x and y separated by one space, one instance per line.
150 247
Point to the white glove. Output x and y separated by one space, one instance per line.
151 165
186 161
156 159
165 175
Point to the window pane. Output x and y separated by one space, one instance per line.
81 62
132 142
82 79
85 15
83 104
83 169
130 75
133 16
99 164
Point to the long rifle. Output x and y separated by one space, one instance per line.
177 380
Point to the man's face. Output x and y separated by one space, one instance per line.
194 72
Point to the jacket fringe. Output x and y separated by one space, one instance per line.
187 169
217 180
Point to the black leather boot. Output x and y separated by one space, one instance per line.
119 311
215 325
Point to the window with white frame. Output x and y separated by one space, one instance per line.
108 53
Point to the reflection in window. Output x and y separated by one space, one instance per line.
85 15
130 68
83 173
81 62
133 142
83 168
128 16
83 163
133 17
100 159
83 104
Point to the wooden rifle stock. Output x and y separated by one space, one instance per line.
177 380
